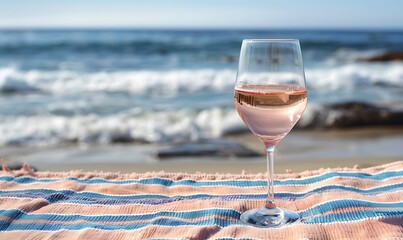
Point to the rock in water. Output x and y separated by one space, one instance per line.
354 114
212 148
390 56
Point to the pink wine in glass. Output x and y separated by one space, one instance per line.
270 111
270 97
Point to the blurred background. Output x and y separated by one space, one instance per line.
148 85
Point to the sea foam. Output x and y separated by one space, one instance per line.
136 82
175 126
355 75
47 126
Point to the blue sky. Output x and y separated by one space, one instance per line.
203 13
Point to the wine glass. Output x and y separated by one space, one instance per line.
270 97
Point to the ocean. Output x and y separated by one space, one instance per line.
76 86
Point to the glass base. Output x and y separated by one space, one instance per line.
269 217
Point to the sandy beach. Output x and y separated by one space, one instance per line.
299 151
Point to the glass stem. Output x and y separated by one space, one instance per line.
270 177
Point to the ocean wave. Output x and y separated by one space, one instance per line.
345 55
139 46
84 47
168 44
177 126
12 81
137 82
355 76
351 76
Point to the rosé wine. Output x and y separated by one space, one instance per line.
270 111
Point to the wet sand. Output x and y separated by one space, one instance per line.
300 150
215 166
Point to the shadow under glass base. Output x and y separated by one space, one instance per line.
269 217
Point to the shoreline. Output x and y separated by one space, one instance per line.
300 150
215 166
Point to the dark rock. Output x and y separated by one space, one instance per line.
212 148
390 56
354 114
229 59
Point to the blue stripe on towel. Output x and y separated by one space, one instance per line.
187 182
71 196
6 226
354 216
348 203
217 212
212 212
330 218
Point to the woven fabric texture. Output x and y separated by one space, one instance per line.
342 203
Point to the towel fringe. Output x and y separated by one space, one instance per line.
4 165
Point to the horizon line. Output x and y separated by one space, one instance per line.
199 28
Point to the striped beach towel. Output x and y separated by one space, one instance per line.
342 203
